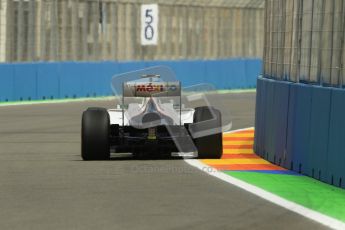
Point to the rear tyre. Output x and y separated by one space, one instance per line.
209 146
95 131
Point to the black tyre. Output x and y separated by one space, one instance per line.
208 145
95 130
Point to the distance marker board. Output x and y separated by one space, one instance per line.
149 24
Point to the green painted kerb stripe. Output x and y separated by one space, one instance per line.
302 190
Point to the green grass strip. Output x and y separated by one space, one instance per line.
302 190
51 101
236 91
69 100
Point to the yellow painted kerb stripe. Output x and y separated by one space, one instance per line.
237 151
239 135
238 142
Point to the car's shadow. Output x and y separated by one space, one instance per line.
144 158
130 157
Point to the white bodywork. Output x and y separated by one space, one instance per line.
161 96
116 116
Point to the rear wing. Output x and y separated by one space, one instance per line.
152 89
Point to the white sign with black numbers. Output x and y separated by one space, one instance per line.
149 24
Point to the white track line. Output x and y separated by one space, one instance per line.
303 211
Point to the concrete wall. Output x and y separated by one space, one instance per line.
95 30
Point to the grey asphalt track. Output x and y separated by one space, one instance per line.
45 185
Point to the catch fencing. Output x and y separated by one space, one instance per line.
304 41
85 30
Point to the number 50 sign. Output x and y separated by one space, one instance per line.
149 24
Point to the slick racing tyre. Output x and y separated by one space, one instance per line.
208 119
95 130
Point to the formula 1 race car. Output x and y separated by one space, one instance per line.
150 120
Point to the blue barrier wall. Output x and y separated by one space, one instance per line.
302 127
37 81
